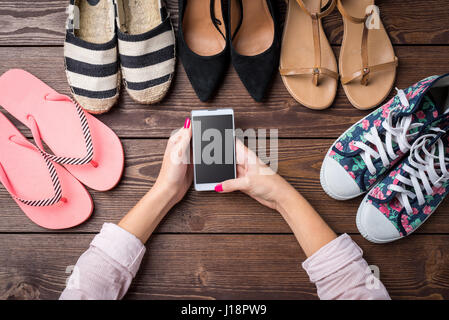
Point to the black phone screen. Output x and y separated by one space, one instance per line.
213 148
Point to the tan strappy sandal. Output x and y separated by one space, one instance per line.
308 66
367 60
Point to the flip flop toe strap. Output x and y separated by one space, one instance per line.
84 127
315 72
364 73
53 175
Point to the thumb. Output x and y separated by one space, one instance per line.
231 185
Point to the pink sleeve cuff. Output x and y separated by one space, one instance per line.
121 246
332 257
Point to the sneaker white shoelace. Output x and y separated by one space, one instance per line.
399 134
427 168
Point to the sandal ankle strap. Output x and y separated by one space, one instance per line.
319 15
351 18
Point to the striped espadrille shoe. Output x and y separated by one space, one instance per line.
90 53
146 43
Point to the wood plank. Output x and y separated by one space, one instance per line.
129 119
208 212
220 267
27 22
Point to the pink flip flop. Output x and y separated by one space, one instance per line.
49 195
86 147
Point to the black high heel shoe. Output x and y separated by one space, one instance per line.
203 46
255 43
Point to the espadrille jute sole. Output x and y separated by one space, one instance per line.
98 106
151 95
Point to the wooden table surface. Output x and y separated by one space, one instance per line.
221 246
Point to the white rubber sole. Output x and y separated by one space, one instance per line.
326 189
363 231
323 180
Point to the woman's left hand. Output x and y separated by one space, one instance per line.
176 174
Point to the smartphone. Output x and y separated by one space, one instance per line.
213 144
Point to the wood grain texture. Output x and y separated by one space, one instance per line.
38 23
215 246
220 267
280 110
208 212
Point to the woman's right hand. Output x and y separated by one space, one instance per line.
256 179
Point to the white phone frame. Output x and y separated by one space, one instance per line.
203 113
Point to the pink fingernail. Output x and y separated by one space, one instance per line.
187 123
219 188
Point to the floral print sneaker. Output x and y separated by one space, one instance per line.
367 150
402 201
